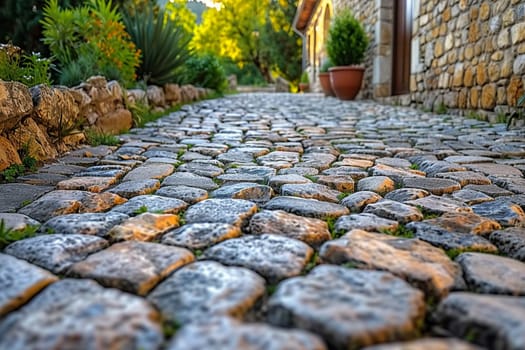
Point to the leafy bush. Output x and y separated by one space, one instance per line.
205 71
28 69
304 78
89 40
327 64
162 43
248 74
347 40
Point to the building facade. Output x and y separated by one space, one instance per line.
454 54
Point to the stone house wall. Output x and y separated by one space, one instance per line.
471 54
465 54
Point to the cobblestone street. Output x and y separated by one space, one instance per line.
273 221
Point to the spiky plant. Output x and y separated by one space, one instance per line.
162 42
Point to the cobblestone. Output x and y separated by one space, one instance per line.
343 223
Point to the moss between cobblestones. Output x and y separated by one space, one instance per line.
401 231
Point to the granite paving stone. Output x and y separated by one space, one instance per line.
378 184
307 207
492 274
15 196
311 191
272 256
135 188
421 264
394 211
406 194
190 179
236 212
510 241
489 190
449 239
348 307
190 195
151 203
80 314
61 202
19 281
471 197
311 231
17 222
151 171
200 235
433 185
359 200
366 222
226 333
507 214
277 181
56 252
97 224
245 190
427 344
268 190
491 321
438 205
132 266
145 227
197 292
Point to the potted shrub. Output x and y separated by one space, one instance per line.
346 47
324 78
304 83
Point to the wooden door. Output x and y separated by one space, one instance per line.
403 18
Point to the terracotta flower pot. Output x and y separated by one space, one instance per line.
324 79
304 87
346 81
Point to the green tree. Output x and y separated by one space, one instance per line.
20 23
281 44
233 30
252 32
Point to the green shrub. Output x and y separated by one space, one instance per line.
89 40
327 64
163 45
347 40
28 69
95 138
205 71
304 78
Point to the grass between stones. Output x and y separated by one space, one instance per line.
8 235
169 328
314 261
401 231
312 178
95 138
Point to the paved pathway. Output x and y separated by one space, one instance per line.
271 221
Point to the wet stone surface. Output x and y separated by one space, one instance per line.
342 223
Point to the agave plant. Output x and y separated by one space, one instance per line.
162 42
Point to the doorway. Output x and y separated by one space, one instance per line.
403 19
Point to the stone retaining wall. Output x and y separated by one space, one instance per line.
44 121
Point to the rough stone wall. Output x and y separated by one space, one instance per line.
45 121
471 54
368 14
